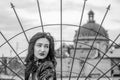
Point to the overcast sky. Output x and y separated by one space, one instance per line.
50 9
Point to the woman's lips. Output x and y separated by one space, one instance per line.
41 54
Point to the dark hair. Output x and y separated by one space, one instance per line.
30 56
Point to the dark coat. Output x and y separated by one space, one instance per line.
43 71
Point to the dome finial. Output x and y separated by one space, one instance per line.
91 16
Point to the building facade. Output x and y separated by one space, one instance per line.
93 56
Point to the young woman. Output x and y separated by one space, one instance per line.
40 61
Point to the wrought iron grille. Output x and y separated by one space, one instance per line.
71 60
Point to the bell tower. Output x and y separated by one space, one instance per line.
91 16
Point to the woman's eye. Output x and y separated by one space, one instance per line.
46 46
39 45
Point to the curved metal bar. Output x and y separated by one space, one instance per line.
108 8
49 25
92 66
66 41
11 47
17 72
103 56
11 70
14 58
108 71
75 72
94 39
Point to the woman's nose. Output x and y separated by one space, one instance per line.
42 49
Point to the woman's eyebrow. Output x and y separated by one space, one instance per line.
43 44
39 43
46 44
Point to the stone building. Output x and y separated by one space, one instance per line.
92 44
92 47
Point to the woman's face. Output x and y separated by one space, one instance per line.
41 48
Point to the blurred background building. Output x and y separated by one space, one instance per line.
94 49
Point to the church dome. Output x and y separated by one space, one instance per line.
90 29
